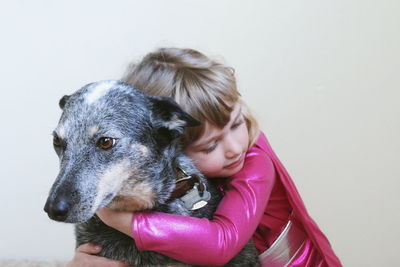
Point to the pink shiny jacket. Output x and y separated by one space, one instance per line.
243 210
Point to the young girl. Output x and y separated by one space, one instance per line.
260 200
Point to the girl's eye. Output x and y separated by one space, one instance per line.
105 143
56 141
237 124
210 148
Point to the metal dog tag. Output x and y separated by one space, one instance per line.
193 200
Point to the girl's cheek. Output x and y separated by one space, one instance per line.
208 167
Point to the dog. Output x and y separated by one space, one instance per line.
121 148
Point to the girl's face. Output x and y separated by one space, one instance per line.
221 152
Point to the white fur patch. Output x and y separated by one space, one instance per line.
175 123
144 150
61 132
93 130
111 181
98 90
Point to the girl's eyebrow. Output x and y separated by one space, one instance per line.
212 138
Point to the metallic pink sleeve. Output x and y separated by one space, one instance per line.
213 242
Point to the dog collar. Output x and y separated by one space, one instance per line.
190 190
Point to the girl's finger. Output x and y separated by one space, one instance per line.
89 248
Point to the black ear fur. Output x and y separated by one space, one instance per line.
63 101
169 118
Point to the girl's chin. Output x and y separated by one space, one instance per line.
232 171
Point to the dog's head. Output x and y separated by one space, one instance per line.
111 141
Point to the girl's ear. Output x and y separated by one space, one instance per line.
168 116
63 101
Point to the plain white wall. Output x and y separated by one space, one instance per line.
321 76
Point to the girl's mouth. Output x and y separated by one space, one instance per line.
236 163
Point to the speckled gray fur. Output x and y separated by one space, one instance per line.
146 153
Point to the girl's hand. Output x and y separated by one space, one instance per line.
83 258
119 220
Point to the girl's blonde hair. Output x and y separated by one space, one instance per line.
204 88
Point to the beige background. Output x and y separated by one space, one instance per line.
321 76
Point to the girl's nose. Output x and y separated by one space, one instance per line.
232 147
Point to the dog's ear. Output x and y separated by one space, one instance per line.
169 117
63 101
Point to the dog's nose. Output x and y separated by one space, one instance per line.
57 209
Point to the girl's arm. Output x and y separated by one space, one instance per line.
213 243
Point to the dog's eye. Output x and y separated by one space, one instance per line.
105 142
56 141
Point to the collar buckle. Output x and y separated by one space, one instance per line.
190 191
